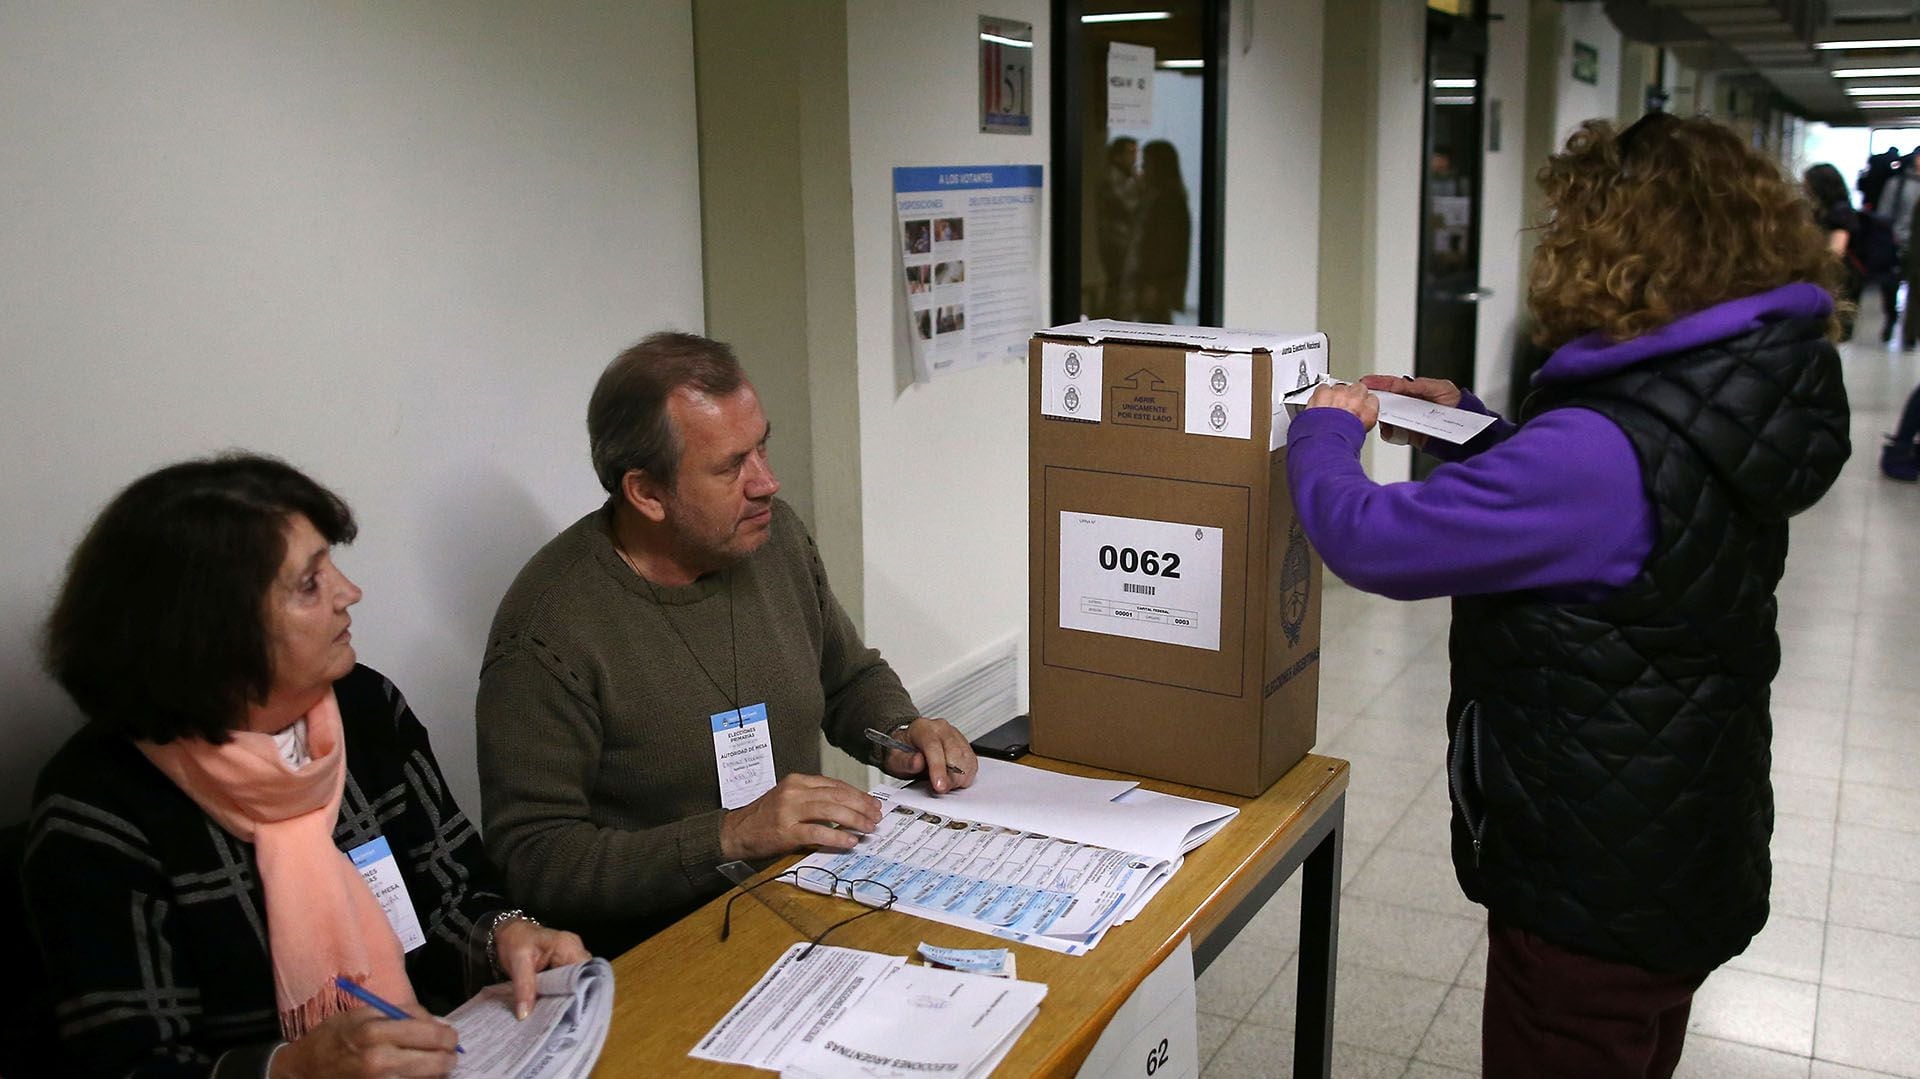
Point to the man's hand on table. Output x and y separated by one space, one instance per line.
800 811
944 755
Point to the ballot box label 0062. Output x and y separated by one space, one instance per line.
1149 580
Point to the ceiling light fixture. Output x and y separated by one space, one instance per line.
1455 84
1885 43
1883 91
1876 72
1183 65
1128 16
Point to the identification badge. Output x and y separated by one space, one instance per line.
378 868
743 751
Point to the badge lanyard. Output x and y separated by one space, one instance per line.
733 639
742 738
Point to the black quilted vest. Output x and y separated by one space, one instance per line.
1609 760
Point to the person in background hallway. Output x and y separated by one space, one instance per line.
187 875
1873 179
1907 213
1157 265
1898 203
690 603
1117 201
1862 241
1613 559
1900 457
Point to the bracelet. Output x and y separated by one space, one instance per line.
493 933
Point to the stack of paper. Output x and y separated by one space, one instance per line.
560 1039
921 1021
1028 855
845 1012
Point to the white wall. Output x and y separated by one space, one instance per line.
943 465
1845 148
392 243
1396 191
1274 70
1577 101
1505 175
1881 139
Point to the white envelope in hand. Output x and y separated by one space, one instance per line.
1455 425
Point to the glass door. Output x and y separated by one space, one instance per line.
1448 319
1138 124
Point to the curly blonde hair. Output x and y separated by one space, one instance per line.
1666 218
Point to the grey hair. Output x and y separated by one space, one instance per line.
628 427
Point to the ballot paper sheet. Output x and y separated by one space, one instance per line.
791 1003
1027 855
1037 889
1105 812
844 1012
560 1039
919 1021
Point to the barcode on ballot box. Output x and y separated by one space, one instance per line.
1140 589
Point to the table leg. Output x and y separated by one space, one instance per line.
1319 949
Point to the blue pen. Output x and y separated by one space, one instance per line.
366 997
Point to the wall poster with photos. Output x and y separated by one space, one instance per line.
969 244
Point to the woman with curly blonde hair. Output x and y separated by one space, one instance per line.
1614 557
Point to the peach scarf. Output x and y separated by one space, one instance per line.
322 920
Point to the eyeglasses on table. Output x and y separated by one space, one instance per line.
867 892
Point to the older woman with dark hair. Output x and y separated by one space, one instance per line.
1614 558
248 815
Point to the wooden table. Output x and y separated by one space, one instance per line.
673 987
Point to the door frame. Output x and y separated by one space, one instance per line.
1068 73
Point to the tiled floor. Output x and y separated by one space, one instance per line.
1829 990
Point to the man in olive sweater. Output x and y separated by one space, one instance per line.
658 675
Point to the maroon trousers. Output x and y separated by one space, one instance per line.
1551 1012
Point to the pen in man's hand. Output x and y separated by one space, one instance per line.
881 738
367 997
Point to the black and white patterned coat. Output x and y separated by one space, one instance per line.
151 920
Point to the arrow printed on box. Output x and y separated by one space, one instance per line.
1143 399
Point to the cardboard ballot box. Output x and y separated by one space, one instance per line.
1175 600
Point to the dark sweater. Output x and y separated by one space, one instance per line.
597 778
151 919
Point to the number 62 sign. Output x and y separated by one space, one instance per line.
1155 1034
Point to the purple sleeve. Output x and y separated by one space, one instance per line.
1559 505
1499 431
